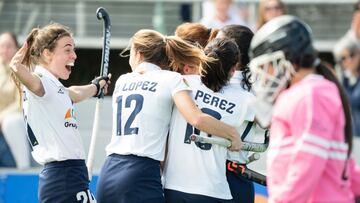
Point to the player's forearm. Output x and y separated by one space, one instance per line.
22 72
80 93
213 126
205 122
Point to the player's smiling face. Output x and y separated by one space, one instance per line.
62 58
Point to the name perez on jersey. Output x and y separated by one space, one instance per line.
215 101
144 85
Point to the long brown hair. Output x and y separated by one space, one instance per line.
169 53
196 33
242 35
216 74
38 40
330 75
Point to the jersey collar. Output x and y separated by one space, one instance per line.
313 76
145 66
237 77
41 71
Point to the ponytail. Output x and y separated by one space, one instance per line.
37 41
31 52
328 74
180 53
26 61
216 74
213 74
169 53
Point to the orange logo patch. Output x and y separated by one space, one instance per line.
69 114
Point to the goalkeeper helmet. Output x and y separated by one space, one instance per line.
280 44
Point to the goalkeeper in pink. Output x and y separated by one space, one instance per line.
309 157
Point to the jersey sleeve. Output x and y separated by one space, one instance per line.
312 124
177 83
46 85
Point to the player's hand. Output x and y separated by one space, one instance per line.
101 83
235 143
104 84
16 62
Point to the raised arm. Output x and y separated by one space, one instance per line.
23 73
205 122
80 93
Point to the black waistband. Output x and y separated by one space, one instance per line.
70 162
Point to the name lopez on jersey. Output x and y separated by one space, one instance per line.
144 85
215 101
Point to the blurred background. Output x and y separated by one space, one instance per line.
329 20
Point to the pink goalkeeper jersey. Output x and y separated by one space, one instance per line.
307 152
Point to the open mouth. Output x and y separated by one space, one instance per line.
69 66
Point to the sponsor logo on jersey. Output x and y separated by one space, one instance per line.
70 120
61 90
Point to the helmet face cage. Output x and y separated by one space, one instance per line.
276 46
271 73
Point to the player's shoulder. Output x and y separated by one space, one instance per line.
131 76
170 73
192 79
314 91
168 77
318 87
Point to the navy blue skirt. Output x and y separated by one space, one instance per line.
130 179
64 181
241 188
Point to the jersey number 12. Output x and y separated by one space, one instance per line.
128 130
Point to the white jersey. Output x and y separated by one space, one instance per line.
203 165
52 126
248 129
142 106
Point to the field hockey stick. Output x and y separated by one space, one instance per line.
243 171
101 14
253 157
246 146
254 176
